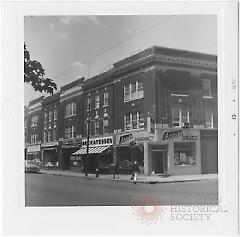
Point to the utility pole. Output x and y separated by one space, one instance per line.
88 132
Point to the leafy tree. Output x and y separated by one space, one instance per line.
35 75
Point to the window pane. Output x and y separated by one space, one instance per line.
105 98
127 93
206 87
134 121
97 101
127 124
141 121
74 107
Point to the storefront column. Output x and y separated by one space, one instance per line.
42 159
147 159
60 158
114 154
170 158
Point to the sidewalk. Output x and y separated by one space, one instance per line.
141 178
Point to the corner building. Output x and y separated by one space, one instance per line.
165 111
158 107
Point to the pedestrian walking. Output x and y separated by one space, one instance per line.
135 172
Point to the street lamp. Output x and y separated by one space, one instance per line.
88 132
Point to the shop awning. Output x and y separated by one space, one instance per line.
92 150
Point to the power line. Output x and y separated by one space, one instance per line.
119 43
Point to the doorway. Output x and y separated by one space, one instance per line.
159 161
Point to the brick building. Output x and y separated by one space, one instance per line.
34 125
158 107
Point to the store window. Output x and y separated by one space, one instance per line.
184 154
180 115
208 118
105 99
207 88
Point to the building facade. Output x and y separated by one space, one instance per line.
34 124
158 107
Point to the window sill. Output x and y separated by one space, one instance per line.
70 116
125 101
105 106
186 165
207 97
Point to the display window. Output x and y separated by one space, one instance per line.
185 153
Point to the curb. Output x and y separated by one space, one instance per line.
128 181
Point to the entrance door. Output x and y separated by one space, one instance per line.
159 163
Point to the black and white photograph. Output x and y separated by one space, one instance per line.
131 99
127 113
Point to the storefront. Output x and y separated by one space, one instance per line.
176 152
130 148
69 147
99 154
50 155
33 152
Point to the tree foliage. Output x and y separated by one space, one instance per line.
35 75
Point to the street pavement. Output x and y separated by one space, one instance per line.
52 190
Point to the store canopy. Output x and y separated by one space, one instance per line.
92 150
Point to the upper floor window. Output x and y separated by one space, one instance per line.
105 126
96 101
88 102
133 121
70 109
55 114
45 135
45 116
180 116
97 127
54 135
50 116
105 98
133 91
49 135
70 132
207 88
34 138
34 121
208 118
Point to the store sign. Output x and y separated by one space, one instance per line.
49 144
137 137
33 148
172 134
100 141
72 141
168 135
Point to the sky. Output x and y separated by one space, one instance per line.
71 47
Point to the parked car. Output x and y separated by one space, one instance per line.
31 167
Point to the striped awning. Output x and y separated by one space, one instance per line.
92 150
